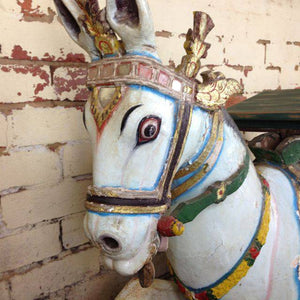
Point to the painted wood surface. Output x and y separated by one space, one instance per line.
268 110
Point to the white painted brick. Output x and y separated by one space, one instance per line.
77 159
36 205
104 287
261 79
3 131
70 83
38 40
29 167
289 79
4 291
55 275
36 125
72 231
30 246
25 83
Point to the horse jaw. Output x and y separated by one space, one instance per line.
136 236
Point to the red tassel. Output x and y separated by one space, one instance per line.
169 226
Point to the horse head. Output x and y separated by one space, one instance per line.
144 121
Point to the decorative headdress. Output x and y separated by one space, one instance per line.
136 31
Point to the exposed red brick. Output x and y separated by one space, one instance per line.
56 146
72 82
31 14
163 33
182 35
34 70
263 42
20 54
277 68
245 69
172 64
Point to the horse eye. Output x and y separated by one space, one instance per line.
148 129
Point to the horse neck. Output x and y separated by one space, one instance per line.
228 159
210 236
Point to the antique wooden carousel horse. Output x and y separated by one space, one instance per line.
163 144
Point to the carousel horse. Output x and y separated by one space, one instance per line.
166 155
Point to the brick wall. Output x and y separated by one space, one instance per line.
45 159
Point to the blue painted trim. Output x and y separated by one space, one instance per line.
143 53
157 216
174 201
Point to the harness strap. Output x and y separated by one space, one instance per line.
206 160
216 193
228 281
125 201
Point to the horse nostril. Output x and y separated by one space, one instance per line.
109 243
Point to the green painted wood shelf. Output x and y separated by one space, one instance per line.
267 111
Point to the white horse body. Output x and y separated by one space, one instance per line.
216 239
131 149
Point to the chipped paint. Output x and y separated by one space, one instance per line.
244 69
35 71
33 14
163 33
19 53
265 43
277 68
71 80
296 43
182 35
55 147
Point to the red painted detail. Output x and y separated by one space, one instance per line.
202 296
165 225
19 94
254 252
144 71
163 78
180 286
266 183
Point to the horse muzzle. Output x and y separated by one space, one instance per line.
127 242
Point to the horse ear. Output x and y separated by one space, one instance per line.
71 14
132 21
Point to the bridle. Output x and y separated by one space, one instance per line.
119 72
